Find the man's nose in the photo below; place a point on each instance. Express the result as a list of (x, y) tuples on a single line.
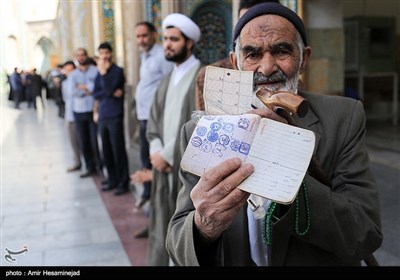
[(268, 64), (166, 43)]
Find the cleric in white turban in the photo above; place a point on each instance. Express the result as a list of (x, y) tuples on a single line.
[(187, 26)]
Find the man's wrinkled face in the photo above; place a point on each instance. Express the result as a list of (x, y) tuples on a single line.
[(176, 48), (269, 47), (145, 37)]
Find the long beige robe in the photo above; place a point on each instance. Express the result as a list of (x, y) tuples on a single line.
[(163, 196)]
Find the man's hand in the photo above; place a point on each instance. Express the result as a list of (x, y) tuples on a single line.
[(217, 199), (159, 163), (103, 65), (118, 93), (95, 117), (83, 88)]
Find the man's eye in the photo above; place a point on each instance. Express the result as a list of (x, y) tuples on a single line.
[(281, 52), (252, 56)]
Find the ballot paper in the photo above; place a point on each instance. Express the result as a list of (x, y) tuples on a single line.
[(228, 91), (280, 153)]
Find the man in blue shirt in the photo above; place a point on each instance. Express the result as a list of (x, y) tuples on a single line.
[(108, 89), (153, 68), (82, 84)]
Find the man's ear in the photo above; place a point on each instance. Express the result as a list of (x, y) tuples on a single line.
[(306, 57), (233, 59), (190, 44)]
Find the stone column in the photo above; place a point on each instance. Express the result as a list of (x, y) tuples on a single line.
[(81, 21), (235, 9), (168, 7), (119, 53), (132, 12)]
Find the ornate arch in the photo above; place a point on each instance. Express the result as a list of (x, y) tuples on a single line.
[(215, 21), (47, 48)]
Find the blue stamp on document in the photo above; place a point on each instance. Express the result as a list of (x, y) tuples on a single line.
[(212, 136), (235, 144), (206, 147), (228, 127), (224, 139), (215, 126), (244, 123), (209, 117), (201, 130), (244, 148), (196, 141), (219, 150), (221, 120)]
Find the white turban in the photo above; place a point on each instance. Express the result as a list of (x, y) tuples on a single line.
[(184, 24)]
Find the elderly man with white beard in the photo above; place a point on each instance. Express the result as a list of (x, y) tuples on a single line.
[(331, 222)]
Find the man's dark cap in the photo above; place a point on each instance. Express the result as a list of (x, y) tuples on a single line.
[(270, 8)]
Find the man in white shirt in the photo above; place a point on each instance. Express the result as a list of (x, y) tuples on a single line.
[(66, 90), (172, 107)]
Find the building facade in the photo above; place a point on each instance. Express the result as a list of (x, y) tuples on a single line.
[(83, 23)]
